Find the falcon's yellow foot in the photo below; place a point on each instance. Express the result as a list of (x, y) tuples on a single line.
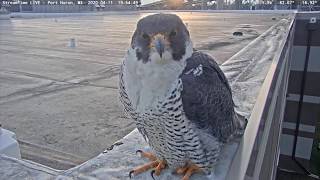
[(143, 168), (155, 163), (188, 171), (181, 170), (162, 164)]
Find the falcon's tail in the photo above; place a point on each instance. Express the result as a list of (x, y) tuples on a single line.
[(240, 123)]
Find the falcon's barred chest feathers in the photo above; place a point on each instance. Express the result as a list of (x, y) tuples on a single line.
[(179, 98)]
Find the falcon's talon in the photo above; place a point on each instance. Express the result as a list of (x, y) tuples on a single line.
[(152, 173), (130, 173), (156, 165), (148, 155), (139, 151), (143, 168)]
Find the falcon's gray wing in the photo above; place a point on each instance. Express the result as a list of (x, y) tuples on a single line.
[(207, 97)]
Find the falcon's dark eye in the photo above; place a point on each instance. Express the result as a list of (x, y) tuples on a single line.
[(145, 36), (173, 33)]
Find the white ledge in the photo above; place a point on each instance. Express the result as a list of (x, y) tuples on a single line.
[(246, 72)]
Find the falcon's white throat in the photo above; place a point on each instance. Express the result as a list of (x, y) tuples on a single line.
[(147, 83)]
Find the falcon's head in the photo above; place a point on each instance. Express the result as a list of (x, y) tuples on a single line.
[(161, 38)]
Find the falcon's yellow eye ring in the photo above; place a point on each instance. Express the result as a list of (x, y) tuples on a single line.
[(145, 36)]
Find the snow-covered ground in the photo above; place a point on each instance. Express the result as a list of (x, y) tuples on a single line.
[(66, 98)]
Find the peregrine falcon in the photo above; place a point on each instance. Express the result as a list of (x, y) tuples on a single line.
[(178, 97)]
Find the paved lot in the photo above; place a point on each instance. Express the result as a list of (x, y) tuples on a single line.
[(66, 98)]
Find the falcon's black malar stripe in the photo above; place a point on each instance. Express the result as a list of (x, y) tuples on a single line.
[(150, 26)]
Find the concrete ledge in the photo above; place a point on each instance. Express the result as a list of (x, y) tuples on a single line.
[(8, 144), (117, 162), (246, 72), (15, 169)]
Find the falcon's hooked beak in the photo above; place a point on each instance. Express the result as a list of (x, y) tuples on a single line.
[(159, 43)]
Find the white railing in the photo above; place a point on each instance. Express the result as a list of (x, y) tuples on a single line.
[(258, 152)]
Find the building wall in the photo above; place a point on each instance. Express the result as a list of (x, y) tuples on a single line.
[(310, 111)]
